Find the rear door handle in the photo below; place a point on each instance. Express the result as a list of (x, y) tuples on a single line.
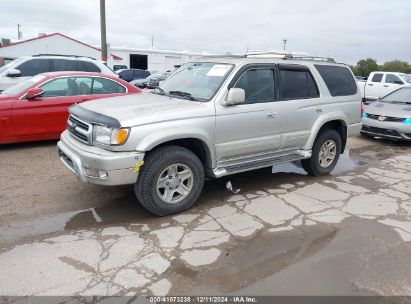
[(370, 84), (320, 110), (386, 86), (272, 115)]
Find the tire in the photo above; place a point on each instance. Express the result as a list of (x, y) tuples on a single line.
[(313, 166), (167, 168)]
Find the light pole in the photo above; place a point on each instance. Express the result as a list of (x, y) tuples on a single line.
[(285, 43), (103, 30)]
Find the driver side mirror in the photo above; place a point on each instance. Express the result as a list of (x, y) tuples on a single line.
[(34, 92), (13, 73), (236, 96), (398, 82), (140, 85)]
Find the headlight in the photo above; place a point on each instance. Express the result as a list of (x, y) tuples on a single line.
[(109, 136)]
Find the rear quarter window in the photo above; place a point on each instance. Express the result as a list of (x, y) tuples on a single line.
[(85, 66), (338, 79)]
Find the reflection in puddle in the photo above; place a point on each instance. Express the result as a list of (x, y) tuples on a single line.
[(252, 260), (119, 213), (345, 163)]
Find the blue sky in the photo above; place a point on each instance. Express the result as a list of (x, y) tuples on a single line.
[(348, 30)]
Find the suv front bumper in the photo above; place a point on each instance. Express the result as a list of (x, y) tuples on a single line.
[(96, 165)]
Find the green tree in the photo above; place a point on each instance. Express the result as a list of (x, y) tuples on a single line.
[(365, 66), (396, 66)]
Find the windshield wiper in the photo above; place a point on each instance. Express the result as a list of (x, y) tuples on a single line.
[(395, 101), (183, 94)]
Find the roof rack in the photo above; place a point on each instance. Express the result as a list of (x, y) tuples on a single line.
[(312, 58), (61, 55), (277, 54), (285, 55), (223, 56)]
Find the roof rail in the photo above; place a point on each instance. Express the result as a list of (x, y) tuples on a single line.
[(62, 55), (223, 56), (278, 54), (312, 58)]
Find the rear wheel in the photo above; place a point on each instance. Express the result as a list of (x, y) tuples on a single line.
[(170, 181), (325, 153)]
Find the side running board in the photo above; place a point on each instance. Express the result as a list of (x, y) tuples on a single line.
[(260, 163)]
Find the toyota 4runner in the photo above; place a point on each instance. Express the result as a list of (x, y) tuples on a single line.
[(212, 118)]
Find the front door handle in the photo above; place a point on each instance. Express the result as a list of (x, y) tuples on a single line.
[(386, 86), (272, 115), (370, 84)]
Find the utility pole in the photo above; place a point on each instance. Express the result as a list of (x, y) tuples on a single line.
[(19, 34), (152, 42), (103, 30), (285, 43)]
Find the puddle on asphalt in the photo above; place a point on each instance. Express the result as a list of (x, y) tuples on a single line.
[(345, 163), (119, 213), (252, 260), (330, 256)]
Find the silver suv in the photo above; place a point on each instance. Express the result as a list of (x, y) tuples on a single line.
[(214, 117)]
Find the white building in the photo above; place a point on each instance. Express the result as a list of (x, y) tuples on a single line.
[(57, 43)]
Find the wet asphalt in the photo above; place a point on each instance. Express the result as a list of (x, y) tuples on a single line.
[(279, 232)]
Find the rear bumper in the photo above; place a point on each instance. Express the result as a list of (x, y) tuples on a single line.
[(386, 129), (96, 165), (354, 129)]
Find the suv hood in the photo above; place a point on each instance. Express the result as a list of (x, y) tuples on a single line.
[(136, 109), (400, 110)]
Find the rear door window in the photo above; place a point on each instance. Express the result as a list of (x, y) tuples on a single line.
[(85, 66), (339, 80), (107, 86), (297, 84), (33, 67), (63, 65), (377, 77), (391, 78)]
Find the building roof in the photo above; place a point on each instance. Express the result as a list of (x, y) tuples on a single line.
[(61, 35)]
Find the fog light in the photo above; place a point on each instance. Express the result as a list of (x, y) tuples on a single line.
[(91, 172)]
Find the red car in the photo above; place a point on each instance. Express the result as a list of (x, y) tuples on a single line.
[(36, 109)]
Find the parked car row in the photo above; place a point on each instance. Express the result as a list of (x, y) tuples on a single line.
[(196, 122), (29, 66)]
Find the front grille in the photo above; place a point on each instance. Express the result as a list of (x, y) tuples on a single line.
[(80, 129), (385, 118), (380, 131)]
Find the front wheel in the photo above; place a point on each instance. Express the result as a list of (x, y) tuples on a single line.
[(325, 154), (170, 181)]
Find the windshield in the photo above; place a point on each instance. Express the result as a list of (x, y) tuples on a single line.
[(22, 86), (402, 95), (196, 81), (407, 77)]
